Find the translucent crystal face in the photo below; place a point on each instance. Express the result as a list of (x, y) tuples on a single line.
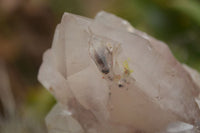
[(102, 54), (111, 78), (105, 55)]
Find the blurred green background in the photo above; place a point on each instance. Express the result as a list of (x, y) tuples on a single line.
[(26, 31)]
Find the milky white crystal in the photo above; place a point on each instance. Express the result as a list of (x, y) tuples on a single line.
[(109, 77)]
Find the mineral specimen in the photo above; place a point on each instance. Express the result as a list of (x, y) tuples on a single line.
[(109, 77)]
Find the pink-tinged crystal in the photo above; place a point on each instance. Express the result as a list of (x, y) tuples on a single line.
[(109, 77)]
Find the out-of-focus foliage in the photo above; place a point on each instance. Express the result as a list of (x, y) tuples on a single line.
[(26, 31)]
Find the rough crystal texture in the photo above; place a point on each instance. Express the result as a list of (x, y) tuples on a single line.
[(109, 77)]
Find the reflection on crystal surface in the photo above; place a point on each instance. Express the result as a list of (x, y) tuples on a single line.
[(108, 77)]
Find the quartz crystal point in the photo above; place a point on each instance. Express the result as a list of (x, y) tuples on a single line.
[(109, 77)]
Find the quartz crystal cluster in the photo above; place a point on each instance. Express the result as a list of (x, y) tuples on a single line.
[(108, 77)]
